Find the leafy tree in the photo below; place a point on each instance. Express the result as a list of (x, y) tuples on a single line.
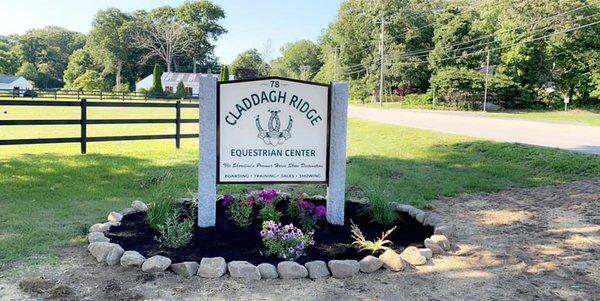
[(250, 59), (90, 80), (79, 62), (156, 80), (224, 76), (47, 50), (301, 60), (8, 60)]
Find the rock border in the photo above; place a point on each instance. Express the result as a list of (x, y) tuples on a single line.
[(112, 254)]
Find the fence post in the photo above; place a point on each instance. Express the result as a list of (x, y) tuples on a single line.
[(178, 124), (55, 94), (83, 126), (77, 94), (123, 96), (100, 95)]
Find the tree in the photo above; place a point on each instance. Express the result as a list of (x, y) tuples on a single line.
[(250, 59), (79, 62), (109, 41), (224, 76), (47, 50), (163, 40), (156, 80), (8, 60), (90, 80), (301, 60)]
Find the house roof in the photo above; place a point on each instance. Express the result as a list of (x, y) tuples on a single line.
[(176, 77), (7, 79)]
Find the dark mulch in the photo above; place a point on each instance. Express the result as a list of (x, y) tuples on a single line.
[(231, 242)]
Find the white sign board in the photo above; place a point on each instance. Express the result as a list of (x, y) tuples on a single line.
[(272, 130)]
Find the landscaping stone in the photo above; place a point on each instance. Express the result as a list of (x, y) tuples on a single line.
[(139, 206), (185, 269), (156, 264), (267, 271), (317, 269), (426, 252), (106, 252), (370, 264), (132, 259), (212, 267), (421, 216), (416, 212), (343, 268), (243, 269), (103, 227), (413, 256), (114, 217), (442, 230), (432, 219), (404, 208), (433, 246), (392, 261), (319, 198), (127, 211), (442, 241), (291, 270), (97, 237)]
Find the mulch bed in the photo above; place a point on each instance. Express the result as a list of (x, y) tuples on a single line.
[(231, 242)]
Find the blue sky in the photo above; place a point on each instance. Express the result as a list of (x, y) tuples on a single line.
[(250, 23)]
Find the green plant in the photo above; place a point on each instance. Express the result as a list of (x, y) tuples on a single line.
[(361, 242), (241, 212), (287, 242), (159, 211), (156, 80), (269, 213), (379, 205), (293, 210), (175, 233), (180, 92), (224, 76)]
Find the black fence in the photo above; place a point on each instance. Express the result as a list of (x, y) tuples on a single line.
[(84, 121), (59, 94)]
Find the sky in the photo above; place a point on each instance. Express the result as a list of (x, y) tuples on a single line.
[(250, 23)]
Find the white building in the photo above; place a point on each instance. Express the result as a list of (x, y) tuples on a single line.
[(18, 84), (170, 80)]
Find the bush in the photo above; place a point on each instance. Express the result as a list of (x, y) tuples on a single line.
[(175, 233), (418, 99), (180, 93), (157, 88), (241, 211)]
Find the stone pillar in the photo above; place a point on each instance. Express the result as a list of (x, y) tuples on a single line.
[(336, 190), (207, 167)]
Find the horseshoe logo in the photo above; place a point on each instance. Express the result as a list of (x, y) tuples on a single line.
[(274, 136)]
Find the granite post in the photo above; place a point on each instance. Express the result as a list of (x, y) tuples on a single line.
[(336, 189), (207, 167)]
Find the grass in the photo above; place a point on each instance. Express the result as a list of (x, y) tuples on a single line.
[(50, 194)]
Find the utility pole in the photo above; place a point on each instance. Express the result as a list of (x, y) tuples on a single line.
[(381, 60), (487, 71)]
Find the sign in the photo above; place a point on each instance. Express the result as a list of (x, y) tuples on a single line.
[(566, 100), (272, 130)]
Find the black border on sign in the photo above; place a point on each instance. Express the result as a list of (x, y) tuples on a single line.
[(219, 83)]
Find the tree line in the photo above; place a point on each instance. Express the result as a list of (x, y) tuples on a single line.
[(539, 52), (120, 49)]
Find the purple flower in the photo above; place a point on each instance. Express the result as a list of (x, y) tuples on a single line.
[(305, 204), (268, 195), (227, 200), (320, 211)]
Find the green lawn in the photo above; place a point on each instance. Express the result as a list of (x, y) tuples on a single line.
[(50, 194)]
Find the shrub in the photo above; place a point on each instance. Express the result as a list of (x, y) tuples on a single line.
[(269, 213), (287, 242), (361, 242), (159, 211), (418, 99), (379, 205), (157, 88), (180, 92), (241, 211), (175, 233)]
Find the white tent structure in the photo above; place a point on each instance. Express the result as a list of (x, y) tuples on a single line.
[(170, 80)]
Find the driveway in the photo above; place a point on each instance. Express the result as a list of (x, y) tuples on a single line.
[(573, 137)]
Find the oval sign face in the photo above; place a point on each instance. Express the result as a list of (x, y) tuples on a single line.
[(272, 130)]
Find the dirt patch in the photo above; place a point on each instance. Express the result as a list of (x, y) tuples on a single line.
[(232, 242), (547, 250)]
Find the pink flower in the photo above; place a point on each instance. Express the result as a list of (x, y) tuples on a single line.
[(320, 211), (250, 201)]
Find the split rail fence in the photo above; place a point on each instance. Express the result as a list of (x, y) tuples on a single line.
[(83, 121)]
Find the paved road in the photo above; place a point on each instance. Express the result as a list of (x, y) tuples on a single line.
[(573, 137)]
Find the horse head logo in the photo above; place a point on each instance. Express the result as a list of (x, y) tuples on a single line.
[(274, 136)]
